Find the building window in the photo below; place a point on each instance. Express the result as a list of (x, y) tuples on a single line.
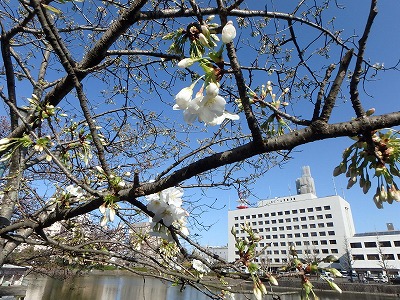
[(313, 233), (304, 226), (321, 225), (287, 220), (261, 229), (281, 236), (324, 242), (274, 236), (260, 215), (313, 226), (316, 251), (283, 244), (247, 217), (388, 256), (294, 211), (260, 222), (273, 221), (295, 219), (332, 242), (275, 244), (236, 218), (274, 229), (325, 251), (298, 243), (276, 251), (262, 245), (297, 234), (266, 222), (302, 210), (289, 235), (276, 260), (266, 215), (328, 216), (331, 232), (253, 216), (281, 228), (306, 243), (303, 218), (319, 217), (372, 257), (268, 237), (280, 213), (288, 227), (284, 260), (335, 251), (355, 245), (241, 217), (322, 233), (327, 207), (254, 223), (280, 220), (283, 251), (305, 234), (311, 217), (318, 208), (296, 227), (329, 224), (385, 244), (315, 242), (397, 243), (310, 209), (273, 214), (358, 257), (370, 244), (287, 212)]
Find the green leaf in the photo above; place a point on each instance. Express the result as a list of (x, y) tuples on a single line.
[(52, 8)]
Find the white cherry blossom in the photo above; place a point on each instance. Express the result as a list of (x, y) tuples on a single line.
[(228, 32)]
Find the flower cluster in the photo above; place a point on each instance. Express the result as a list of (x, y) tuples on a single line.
[(200, 267), (380, 154), (274, 124), (166, 206), (208, 108)]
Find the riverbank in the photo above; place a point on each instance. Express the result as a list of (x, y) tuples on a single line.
[(390, 290)]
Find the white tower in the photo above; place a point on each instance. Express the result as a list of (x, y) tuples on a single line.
[(305, 184)]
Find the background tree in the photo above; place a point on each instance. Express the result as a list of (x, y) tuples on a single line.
[(90, 89)]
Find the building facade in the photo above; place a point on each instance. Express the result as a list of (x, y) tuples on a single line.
[(317, 227), (376, 252)]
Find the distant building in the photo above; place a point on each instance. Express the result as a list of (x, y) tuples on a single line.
[(221, 251), (317, 227), (376, 252)]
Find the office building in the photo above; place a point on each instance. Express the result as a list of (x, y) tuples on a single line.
[(317, 227)]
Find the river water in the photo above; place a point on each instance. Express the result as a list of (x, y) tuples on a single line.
[(102, 287)]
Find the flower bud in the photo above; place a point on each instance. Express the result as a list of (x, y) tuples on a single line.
[(203, 40), (186, 62), (228, 32)]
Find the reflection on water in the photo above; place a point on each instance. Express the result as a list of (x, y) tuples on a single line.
[(98, 287)]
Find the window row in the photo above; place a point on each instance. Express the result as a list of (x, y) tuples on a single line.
[(298, 243), (375, 257), (291, 235), (374, 244), (287, 220)]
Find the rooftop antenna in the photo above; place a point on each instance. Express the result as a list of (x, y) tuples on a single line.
[(334, 185)]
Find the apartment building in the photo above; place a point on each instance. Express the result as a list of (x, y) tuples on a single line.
[(317, 227)]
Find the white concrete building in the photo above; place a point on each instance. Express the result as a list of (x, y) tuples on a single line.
[(376, 252), (317, 227)]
